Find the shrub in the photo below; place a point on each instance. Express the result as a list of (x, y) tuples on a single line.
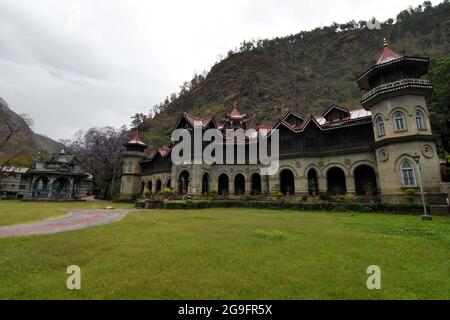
[(410, 195), (213, 194), (279, 195), (246, 197), (167, 192), (369, 188), (312, 186), (324, 196), (147, 193), (349, 197), (301, 206)]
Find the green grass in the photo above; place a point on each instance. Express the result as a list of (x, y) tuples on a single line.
[(235, 254), (15, 211)]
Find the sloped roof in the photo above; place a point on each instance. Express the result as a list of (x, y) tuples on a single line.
[(205, 121), (356, 115), (235, 114), (388, 54), (136, 139), (15, 169)]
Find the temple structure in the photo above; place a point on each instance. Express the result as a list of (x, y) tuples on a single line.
[(374, 149)]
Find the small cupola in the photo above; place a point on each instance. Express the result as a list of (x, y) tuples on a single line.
[(135, 144), (394, 74)]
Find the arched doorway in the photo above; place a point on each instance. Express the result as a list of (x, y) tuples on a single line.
[(40, 186), (223, 184), (183, 182), (287, 182), (60, 187), (239, 184), (256, 184), (365, 180), (142, 188), (205, 183), (336, 181), (158, 186), (313, 182), (169, 183), (149, 185)]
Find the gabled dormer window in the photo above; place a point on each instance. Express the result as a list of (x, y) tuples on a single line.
[(335, 114)]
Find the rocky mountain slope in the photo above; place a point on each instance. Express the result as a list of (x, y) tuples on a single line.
[(304, 72), (25, 142)]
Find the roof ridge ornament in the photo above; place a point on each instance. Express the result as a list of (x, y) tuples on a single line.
[(385, 43)]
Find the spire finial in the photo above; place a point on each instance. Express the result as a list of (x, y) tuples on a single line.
[(385, 42)]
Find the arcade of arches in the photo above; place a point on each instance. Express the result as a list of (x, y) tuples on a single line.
[(334, 180)]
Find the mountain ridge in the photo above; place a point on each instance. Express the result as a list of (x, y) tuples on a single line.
[(34, 142), (305, 72)]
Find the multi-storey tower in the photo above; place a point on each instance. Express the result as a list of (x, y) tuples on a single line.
[(396, 97), (134, 153)]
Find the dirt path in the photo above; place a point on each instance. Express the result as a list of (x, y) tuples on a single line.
[(76, 219)]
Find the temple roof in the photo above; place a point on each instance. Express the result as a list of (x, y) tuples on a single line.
[(388, 59), (136, 139), (388, 54), (235, 114)]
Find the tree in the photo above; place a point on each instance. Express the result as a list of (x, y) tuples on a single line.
[(16, 147), (439, 103), (138, 119), (100, 150)]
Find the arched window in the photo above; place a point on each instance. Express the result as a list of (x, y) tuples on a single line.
[(399, 121), (420, 122), (380, 126), (408, 173)]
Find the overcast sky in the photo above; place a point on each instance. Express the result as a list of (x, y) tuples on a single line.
[(72, 65)]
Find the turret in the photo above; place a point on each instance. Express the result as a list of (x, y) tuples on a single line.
[(134, 153), (396, 96)]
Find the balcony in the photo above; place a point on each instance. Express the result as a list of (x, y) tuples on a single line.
[(411, 85)]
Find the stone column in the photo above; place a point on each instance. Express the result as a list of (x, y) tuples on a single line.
[(264, 184), (50, 187), (71, 185), (273, 180), (231, 186), (350, 184), (303, 185), (322, 184), (33, 180), (248, 185)]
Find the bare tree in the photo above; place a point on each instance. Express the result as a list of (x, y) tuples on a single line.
[(100, 150)]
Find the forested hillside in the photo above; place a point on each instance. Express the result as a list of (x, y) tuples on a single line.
[(304, 72)]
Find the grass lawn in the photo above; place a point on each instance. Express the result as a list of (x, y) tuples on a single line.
[(232, 254), (15, 211)]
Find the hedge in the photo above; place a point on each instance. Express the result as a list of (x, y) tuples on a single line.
[(301, 206)]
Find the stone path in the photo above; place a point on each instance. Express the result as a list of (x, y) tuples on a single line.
[(77, 219)]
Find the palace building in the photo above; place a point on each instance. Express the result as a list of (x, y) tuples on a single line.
[(382, 147), (61, 177)]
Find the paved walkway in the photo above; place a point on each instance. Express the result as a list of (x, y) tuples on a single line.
[(78, 219)]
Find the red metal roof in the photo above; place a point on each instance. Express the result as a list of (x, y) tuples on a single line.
[(235, 114), (193, 119), (387, 55), (136, 139)]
